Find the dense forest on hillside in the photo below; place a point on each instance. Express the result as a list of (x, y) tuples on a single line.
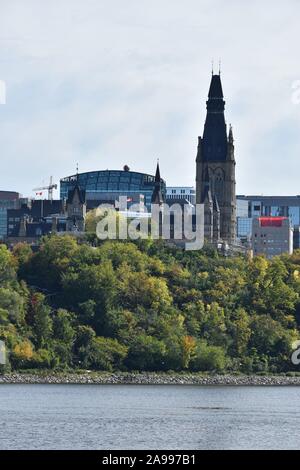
[(146, 306)]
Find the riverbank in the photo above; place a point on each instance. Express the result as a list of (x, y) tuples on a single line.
[(147, 379)]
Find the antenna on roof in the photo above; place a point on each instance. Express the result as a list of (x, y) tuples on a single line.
[(220, 67), (212, 67)]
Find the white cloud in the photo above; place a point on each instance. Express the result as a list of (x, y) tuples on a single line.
[(108, 82)]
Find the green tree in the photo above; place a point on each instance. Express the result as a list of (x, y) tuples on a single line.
[(83, 345), (240, 331), (62, 326), (42, 321), (7, 266), (107, 354), (208, 358), (12, 306), (269, 337), (141, 289), (146, 353)]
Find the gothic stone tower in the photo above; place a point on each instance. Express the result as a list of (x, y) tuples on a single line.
[(215, 165)]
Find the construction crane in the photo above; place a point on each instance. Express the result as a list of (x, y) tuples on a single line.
[(49, 188)]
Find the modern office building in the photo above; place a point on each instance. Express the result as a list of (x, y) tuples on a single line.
[(243, 221), (272, 236), (250, 207), (273, 206), (242, 209), (106, 185), (8, 200), (187, 193)]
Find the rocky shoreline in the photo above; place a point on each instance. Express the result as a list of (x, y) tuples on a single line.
[(147, 379)]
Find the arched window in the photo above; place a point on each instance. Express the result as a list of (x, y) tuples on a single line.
[(219, 184)]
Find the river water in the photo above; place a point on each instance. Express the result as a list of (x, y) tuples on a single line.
[(148, 417)]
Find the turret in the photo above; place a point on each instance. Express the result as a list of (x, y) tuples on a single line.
[(157, 195), (230, 145), (76, 210)]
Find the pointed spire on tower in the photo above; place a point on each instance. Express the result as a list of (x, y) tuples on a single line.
[(77, 170), (214, 142), (157, 195), (157, 174), (215, 89)]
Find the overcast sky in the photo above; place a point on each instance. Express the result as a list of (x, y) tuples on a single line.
[(111, 82)]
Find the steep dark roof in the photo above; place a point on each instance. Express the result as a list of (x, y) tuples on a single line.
[(157, 195), (214, 142), (76, 190), (157, 174), (215, 89)]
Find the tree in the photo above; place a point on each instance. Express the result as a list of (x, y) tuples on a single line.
[(240, 331), (83, 345), (91, 291), (7, 266), (141, 289), (12, 306), (62, 326), (22, 253), (213, 327), (145, 353), (208, 358), (107, 354), (42, 359), (22, 354), (42, 321), (269, 337), (46, 267), (189, 347)]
